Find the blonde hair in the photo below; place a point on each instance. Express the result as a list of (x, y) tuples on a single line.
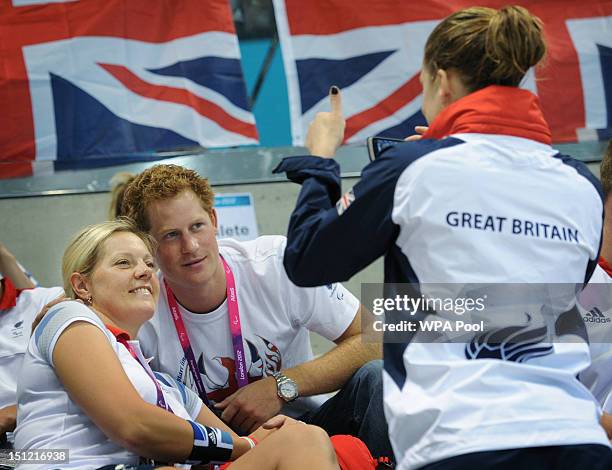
[(163, 182), (487, 46), (85, 248), (118, 182)]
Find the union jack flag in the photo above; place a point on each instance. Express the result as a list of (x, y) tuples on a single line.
[(81, 80), (373, 50)]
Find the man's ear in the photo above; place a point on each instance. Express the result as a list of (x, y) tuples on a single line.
[(213, 218), (80, 286)]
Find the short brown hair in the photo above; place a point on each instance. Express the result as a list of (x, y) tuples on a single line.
[(605, 171), (163, 182), (487, 46)]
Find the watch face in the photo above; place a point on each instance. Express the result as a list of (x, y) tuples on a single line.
[(288, 390)]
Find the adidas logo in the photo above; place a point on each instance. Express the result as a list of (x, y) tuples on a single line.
[(595, 316)]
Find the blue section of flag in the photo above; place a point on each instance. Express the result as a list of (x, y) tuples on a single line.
[(217, 73), (317, 75), (95, 131), (605, 58), (230, 201), (405, 128)]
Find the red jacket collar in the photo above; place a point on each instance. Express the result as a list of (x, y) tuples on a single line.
[(603, 264), (493, 110), (120, 335), (9, 294)]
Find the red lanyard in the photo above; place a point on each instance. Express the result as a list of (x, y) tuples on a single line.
[(235, 330), (161, 401)]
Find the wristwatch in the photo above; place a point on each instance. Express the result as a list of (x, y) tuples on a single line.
[(286, 388)]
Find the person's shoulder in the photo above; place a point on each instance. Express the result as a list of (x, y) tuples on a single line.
[(581, 172), (417, 156), (31, 301), (39, 295), (69, 309), (257, 250), (405, 153), (58, 318)]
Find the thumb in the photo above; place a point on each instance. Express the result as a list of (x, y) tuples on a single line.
[(222, 404), (274, 423), (335, 100)]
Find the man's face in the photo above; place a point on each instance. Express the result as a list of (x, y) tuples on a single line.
[(187, 253)]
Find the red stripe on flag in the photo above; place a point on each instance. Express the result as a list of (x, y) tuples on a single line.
[(202, 106), (394, 102), (13, 169), (143, 20), (559, 82), (305, 17), (17, 146), (335, 16)]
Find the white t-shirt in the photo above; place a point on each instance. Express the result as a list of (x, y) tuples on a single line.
[(276, 317), (596, 311), (47, 418), (22, 306)]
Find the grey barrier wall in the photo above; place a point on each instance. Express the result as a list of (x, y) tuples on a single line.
[(37, 229), (38, 215)]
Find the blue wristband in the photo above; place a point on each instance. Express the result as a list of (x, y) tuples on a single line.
[(210, 445)]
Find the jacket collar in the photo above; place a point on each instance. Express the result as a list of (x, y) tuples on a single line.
[(493, 110), (603, 264), (119, 334)]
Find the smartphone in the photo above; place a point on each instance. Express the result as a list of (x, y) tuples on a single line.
[(377, 144)]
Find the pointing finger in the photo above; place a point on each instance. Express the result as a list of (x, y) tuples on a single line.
[(335, 100)]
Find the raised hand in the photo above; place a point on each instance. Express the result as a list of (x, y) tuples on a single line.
[(326, 131)]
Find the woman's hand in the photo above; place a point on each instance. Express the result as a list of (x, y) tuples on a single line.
[(241, 447), (326, 131), (40, 315), (420, 130), (273, 424), (279, 421)]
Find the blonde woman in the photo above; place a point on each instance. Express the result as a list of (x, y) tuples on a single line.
[(85, 385)]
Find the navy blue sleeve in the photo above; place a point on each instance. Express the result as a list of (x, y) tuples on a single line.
[(584, 171), (330, 238)]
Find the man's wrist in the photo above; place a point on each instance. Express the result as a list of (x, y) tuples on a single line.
[(274, 389), (286, 387)]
